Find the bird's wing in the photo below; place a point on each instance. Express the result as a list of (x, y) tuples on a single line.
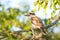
[(36, 21)]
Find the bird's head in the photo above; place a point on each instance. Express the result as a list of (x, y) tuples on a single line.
[(30, 14)]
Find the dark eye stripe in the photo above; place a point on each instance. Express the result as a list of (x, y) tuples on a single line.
[(32, 13)]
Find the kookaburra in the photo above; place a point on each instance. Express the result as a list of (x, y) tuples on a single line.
[(36, 22)]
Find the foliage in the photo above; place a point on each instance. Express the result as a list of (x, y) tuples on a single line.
[(9, 19)]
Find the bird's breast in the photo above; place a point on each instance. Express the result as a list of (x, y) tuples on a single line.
[(33, 26), (34, 22)]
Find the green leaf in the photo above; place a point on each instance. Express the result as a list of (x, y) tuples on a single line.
[(9, 26), (59, 2), (38, 6), (35, 3), (52, 15), (27, 27)]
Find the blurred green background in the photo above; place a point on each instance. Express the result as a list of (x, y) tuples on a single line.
[(15, 26)]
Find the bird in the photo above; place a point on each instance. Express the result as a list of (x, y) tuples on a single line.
[(36, 22)]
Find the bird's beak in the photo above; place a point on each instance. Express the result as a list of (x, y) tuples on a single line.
[(27, 15)]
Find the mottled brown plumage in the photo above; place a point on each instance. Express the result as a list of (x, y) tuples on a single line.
[(36, 22)]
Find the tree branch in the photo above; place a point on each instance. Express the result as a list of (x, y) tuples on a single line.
[(52, 24), (14, 34), (2, 35)]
